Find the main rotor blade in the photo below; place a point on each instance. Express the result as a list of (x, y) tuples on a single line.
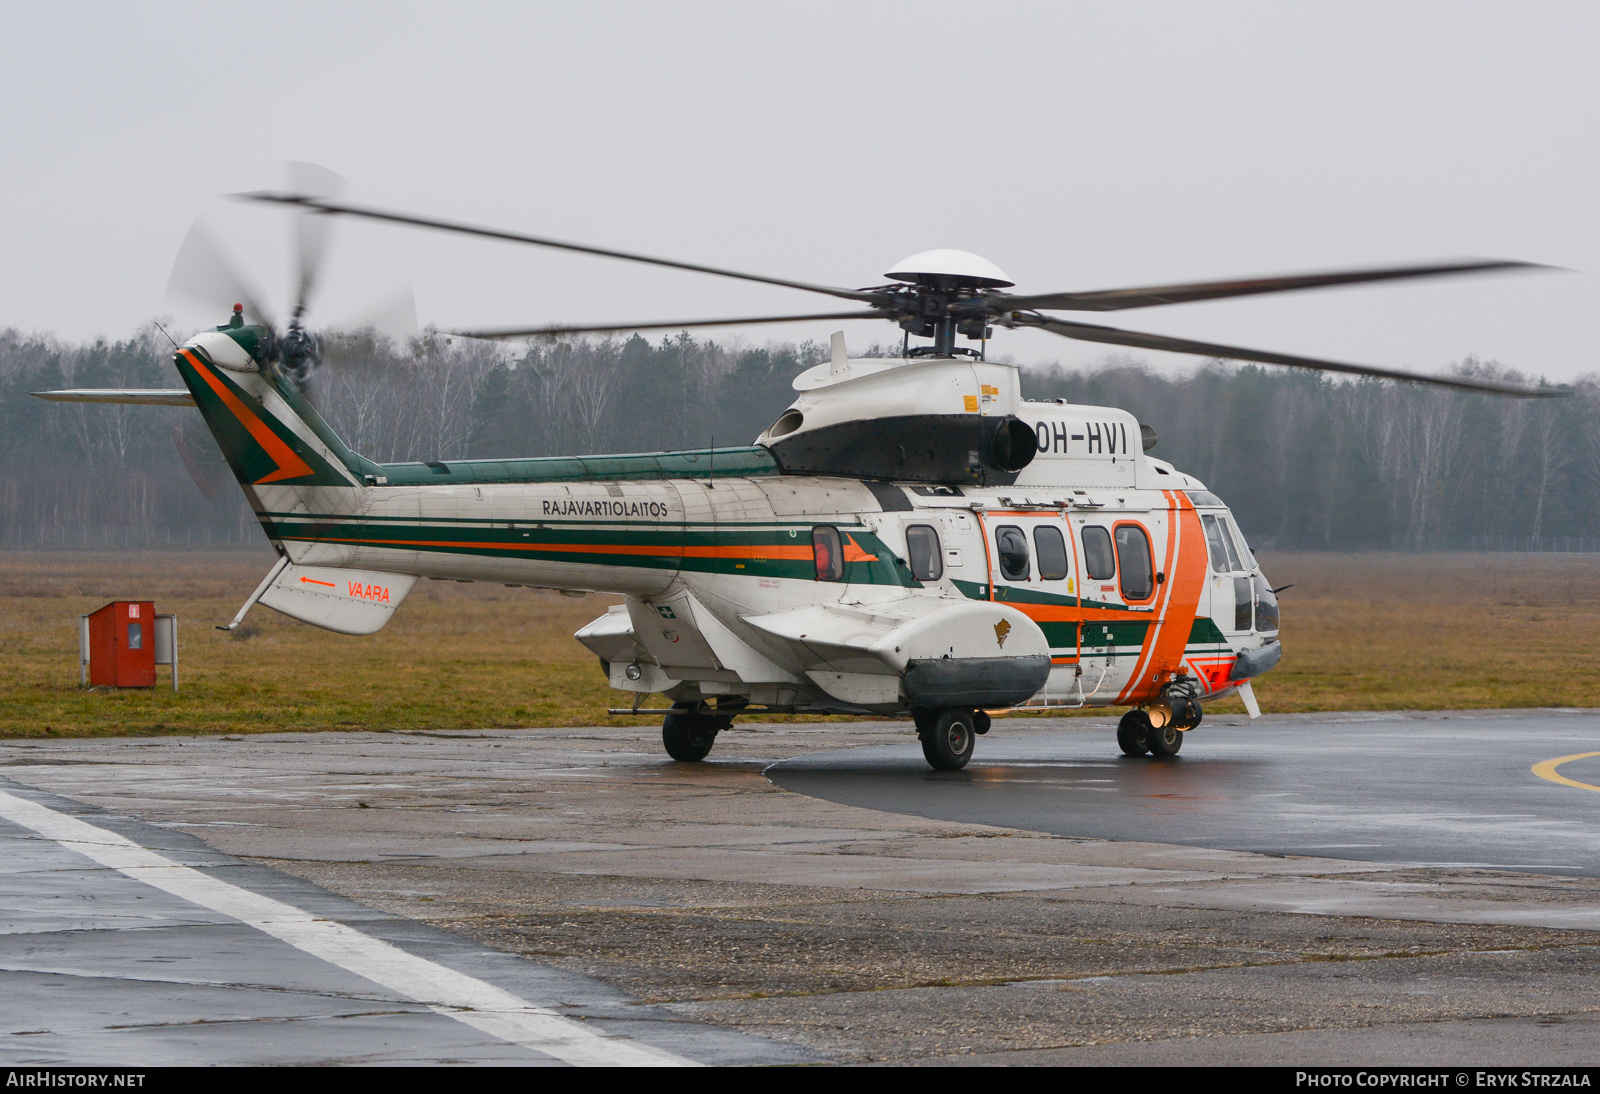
[(311, 230), (202, 273), (617, 328), (1117, 299), (394, 317), (308, 201), (1089, 332)]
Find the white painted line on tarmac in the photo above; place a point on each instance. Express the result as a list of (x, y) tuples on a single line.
[(467, 999)]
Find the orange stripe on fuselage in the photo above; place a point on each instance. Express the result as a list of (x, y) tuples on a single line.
[(1186, 577), (1068, 613), (1152, 637), (290, 465)]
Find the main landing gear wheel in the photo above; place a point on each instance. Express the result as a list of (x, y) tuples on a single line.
[(1165, 741), (689, 733), (947, 738), (1134, 732)]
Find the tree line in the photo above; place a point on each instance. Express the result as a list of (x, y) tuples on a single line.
[(1305, 460)]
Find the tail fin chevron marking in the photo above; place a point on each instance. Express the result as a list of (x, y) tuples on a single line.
[(290, 465)]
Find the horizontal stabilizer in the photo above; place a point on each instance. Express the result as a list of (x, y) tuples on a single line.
[(346, 601), (135, 396)]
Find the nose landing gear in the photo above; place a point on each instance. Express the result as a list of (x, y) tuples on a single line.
[(1133, 733), (1136, 736)]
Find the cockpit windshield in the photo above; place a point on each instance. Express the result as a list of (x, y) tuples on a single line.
[(1224, 555), (1229, 551), (1246, 555), (1266, 606)]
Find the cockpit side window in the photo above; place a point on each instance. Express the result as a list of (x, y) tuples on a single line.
[(1243, 603), (1098, 561)]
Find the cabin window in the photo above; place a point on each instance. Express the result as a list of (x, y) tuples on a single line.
[(1133, 558), (1098, 561), (1012, 546), (827, 552), (922, 544), (1051, 548), (135, 636)]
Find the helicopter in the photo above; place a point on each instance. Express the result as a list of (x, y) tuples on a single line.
[(910, 537)]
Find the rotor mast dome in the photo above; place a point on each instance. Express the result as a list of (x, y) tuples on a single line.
[(949, 268)]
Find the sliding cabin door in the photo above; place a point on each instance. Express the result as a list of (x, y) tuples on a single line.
[(1033, 567)]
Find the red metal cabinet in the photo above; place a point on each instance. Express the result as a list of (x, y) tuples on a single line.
[(122, 645)]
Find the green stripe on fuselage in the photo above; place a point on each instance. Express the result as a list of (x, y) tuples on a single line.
[(1010, 594), (1099, 635), (735, 552)]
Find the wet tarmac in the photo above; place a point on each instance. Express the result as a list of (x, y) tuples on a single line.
[(125, 944), (1448, 792), (1305, 889)]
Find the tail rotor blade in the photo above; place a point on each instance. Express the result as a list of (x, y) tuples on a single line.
[(311, 229), (202, 273)]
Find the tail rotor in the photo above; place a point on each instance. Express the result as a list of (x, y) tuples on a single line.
[(202, 272)]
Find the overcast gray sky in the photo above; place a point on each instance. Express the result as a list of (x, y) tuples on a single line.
[(1075, 145)]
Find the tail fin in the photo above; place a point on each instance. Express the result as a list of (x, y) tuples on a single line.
[(268, 432)]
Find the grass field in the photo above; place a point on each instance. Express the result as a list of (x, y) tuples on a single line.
[(1360, 632)]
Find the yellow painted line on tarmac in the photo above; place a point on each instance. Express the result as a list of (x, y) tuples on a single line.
[(1547, 770)]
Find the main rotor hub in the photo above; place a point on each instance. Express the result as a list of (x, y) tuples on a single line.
[(948, 295), (950, 269)]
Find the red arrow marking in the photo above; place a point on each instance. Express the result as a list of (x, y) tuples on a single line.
[(314, 581)]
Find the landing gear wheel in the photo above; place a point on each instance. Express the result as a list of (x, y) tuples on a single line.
[(947, 744), (981, 722), (1165, 741), (1134, 732), (687, 733)]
